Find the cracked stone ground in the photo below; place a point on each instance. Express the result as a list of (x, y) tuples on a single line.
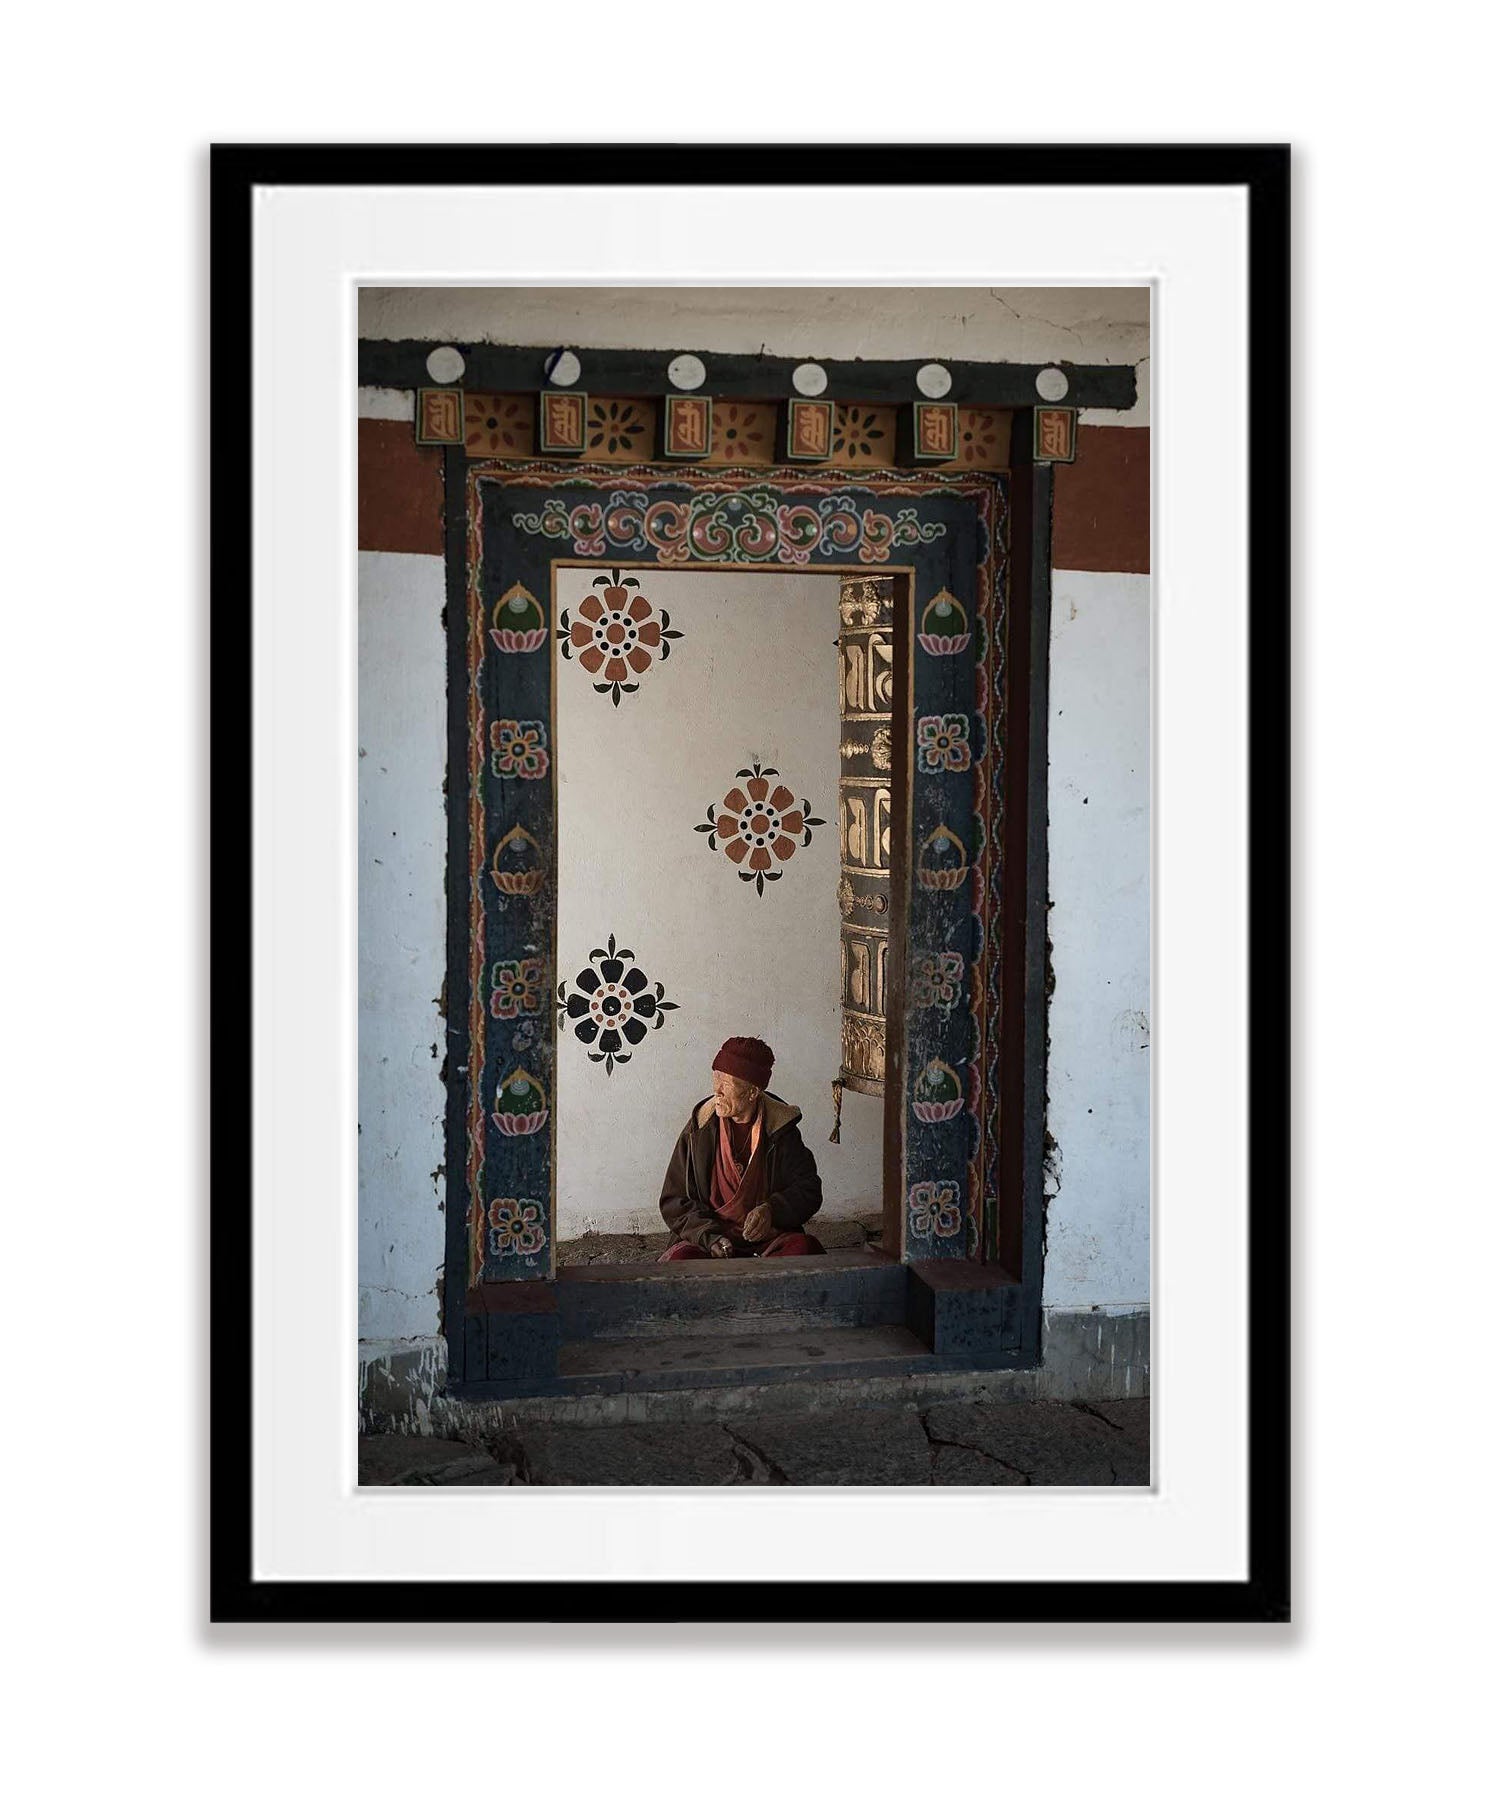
[(973, 1443)]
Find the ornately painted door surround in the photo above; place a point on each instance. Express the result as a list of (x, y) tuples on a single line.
[(950, 536)]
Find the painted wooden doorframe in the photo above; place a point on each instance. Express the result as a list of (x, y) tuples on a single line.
[(523, 521)]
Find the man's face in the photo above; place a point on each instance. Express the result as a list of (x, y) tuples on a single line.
[(734, 1099)]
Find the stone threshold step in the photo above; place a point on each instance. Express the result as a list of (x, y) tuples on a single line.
[(848, 1363), (732, 1393), (735, 1297), (740, 1356)]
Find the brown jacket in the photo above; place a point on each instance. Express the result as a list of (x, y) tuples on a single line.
[(793, 1189)]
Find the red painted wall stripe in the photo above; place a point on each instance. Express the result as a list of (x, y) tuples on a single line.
[(1101, 508), (400, 489), (1101, 516)]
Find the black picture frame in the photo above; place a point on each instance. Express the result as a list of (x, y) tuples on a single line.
[(1263, 172)]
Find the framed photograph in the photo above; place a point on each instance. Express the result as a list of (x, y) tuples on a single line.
[(750, 830)]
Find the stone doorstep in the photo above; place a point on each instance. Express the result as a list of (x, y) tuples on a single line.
[(710, 1300), (931, 1386), (801, 1321), (659, 1360), (623, 1328), (808, 1357), (828, 1391), (1089, 1356)]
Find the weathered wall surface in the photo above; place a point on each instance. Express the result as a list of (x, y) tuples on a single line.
[(1099, 777), (752, 679), (402, 708), (1099, 871)]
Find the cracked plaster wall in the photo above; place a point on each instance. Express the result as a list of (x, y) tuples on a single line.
[(1099, 869), (401, 942)]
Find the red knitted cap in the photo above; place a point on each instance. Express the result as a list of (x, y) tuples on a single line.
[(747, 1059)]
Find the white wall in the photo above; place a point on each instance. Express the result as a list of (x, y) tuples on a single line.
[(754, 677), (401, 942), (1099, 849)]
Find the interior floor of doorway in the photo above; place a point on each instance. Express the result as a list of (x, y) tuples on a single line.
[(646, 1246)]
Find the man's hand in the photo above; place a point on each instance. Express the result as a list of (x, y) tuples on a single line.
[(758, 1224), (721, 1246)]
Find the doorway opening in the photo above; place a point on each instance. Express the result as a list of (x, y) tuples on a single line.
[(725, 820), (672, 826)]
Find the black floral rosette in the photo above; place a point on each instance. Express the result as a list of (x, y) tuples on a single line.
[(611, 1005)]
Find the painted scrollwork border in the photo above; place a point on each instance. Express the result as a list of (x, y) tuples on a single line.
[(674, 517)]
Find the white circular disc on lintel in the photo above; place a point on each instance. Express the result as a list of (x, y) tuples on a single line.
[(933, 380), (563, 368), (687, 371), (809, 378), (1052, 384), (445, 364)]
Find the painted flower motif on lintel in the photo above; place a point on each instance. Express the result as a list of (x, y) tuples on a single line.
[(518, 749), (943, 744), (857, 432), (933, 1209), (759, 825), (611, 1005), (616, 635), (620, 428), (944, 628), (516, 1228), (520, 1105), (742, 432), (978, 436), (938, 1094), (518, 623), (499, 424)]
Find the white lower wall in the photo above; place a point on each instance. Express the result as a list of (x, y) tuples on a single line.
[(402, 705), (1099, 1019)]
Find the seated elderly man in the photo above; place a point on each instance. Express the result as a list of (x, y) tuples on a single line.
[(741, 1181)]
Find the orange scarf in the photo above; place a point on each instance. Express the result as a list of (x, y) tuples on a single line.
[(738, 1190)]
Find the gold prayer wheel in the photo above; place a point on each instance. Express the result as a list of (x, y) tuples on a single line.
[(864, 819)]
